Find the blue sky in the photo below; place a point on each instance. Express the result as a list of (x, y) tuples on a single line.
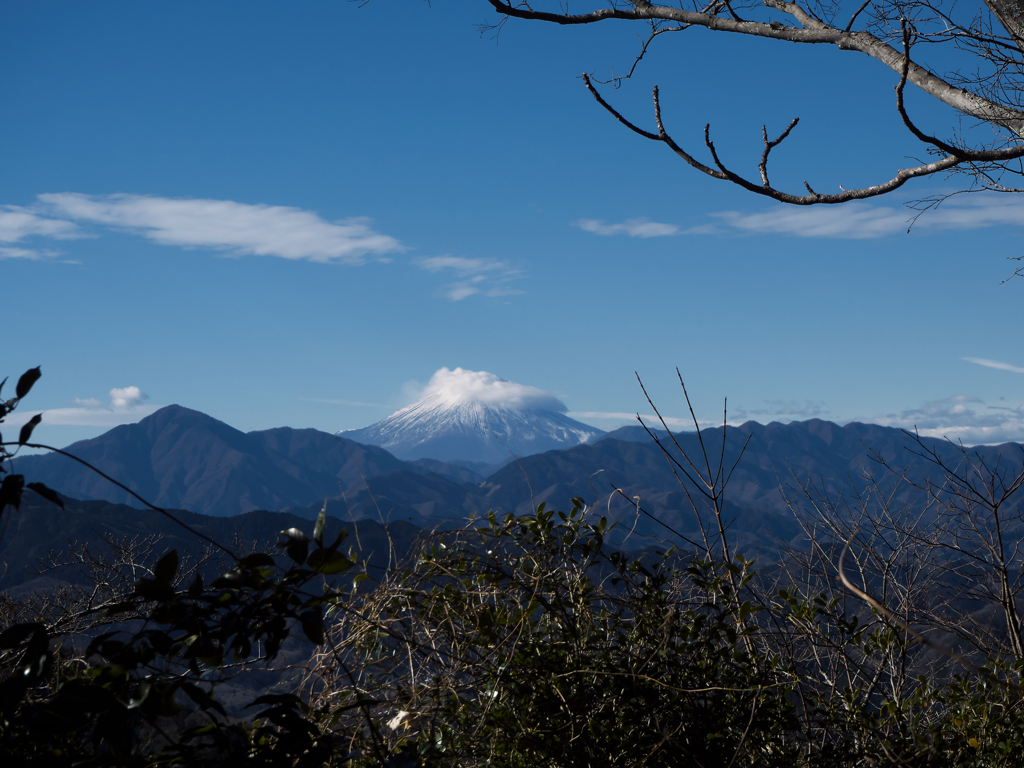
[(294, 214)]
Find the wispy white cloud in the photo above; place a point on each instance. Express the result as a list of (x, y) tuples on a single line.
[(29, 254), (486, 276), (461, 290), (993, 364), (863, 220), (18, 223), (461, 265), (237, 229), (632, 227), (852, 220), (857, 220), (126, 407), (961, 418)]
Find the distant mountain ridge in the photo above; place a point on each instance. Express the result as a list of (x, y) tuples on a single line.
[(180, 458)]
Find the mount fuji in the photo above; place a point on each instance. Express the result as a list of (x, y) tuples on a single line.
[(474, 416)]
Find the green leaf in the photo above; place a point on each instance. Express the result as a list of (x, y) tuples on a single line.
[(201, 697), (258, 560), (297, 551), (28, 378), (10, 491), (329, 563), (342, 535), (294, 534), (166, 567), (237, 578), (47, 493), (26, 431), (318, 529), (230, 580), (12, 637), (151, 589), (313, 625), (296, 544), (141, 693)]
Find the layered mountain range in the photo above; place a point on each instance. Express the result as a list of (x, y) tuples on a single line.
[(180, 458)]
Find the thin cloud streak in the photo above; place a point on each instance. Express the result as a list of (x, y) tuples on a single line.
[(461, 265), (126, 407), (17, 223), (857, 220), (641, 227), (993, 364), (860, 220), (485, 276), (30, 254), (849, 222), (237, 229), (84, 417)]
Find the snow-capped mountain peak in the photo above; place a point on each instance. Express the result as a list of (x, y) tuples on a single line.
[(476, 416)]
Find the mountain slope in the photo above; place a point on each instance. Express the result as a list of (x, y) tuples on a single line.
[(185, 459), (778, 460), (41, 529)]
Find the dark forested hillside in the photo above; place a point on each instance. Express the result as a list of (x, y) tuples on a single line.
[(41, 532)]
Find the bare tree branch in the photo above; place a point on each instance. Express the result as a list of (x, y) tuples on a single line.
[(813, 198), (995, 96)]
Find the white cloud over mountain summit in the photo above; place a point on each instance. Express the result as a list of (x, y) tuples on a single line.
[(475, 416), (464, 386)]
